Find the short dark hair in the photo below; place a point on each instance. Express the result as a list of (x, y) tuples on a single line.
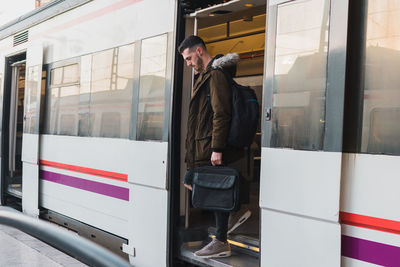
[(191, 42)]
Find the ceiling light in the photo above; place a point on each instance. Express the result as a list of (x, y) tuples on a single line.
[(248, 5)]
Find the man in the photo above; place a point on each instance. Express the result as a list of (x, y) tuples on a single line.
[(208, 128)]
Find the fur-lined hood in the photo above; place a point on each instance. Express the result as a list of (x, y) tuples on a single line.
[(220, 61), (227, 62)]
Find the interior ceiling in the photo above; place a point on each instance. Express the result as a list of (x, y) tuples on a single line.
[(189, 6), (217, 8)]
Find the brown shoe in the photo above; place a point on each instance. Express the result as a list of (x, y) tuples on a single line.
[(215, 249)]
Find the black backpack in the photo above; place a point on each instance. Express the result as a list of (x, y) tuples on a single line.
[(245, 114)]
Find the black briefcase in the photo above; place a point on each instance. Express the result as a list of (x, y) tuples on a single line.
[(216, 188)]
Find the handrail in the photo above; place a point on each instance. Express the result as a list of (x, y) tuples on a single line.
[(80, 248)]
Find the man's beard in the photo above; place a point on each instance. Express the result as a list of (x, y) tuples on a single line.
[(199, 64)]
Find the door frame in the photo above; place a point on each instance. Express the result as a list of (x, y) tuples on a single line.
[(5, 118)]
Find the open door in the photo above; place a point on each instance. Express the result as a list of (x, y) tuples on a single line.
[(30, 139), (302, 133)]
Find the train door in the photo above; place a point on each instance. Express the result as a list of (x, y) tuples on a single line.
[(30, 138), (20, 142), (302, 133), (232, 27), (12, 123), (22, 95), (14, 166)]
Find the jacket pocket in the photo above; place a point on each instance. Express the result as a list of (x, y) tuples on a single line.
[(203, 149)]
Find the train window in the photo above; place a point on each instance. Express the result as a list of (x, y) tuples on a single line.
[(56, 76), (102, 67), (84, 96), (67, 124), (111, 90), (300, 75), (33, 79), (68, 110), (152, 88), (51, 110), (110, 124), (62, 98), (71, 74), (381, 111), (83, 124)]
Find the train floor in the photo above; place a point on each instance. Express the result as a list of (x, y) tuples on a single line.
[(20, 249)]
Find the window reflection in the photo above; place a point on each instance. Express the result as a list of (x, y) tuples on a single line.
[(56, 76), (152, 88), (92, 98), (71, 74), (381, 112), (111, 92), (32, 96), (300, 75), (51, 110), (68, 110)]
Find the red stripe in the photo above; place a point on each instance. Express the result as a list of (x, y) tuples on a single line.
[(368, 222), (101, 173)]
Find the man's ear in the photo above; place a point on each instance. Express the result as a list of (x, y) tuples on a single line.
[(199, 50)]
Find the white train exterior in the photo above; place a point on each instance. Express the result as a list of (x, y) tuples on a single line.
[(101, 127)]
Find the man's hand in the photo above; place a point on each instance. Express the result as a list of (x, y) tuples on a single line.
[(188, 187), (216, 158)]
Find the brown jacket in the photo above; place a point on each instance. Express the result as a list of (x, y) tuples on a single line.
[(208, 128)]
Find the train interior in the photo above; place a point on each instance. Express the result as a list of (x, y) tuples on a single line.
[(13, 122), (232, 27)]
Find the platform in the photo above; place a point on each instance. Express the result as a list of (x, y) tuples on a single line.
[(20, 249)]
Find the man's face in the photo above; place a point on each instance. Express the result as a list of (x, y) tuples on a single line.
[(193, 59)]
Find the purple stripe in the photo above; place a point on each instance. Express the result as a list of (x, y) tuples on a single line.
[(92, 186), (369, 251)]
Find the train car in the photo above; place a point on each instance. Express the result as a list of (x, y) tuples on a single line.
[(95, 99), (86, 97)]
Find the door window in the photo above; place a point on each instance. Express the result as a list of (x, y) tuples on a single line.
[(300, 73), (381, 111)]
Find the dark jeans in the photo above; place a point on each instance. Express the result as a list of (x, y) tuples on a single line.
[(221, 218), (221, 221)]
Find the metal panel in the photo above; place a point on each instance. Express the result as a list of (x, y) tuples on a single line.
[(336, 76), (30, 148), (390, 239), (30, 189), (150, 211), (99, 19), (288, 240), (39, 15), (143, 162), (103, 212), (168, 83), (310, 186), (269, 62), (348, 262), (135, 93), (2, 81), (30, 141), (370, 185), (278, 2)]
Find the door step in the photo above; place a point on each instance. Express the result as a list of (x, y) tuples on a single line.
[(241, 242), (15, 190), (237, 259)]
